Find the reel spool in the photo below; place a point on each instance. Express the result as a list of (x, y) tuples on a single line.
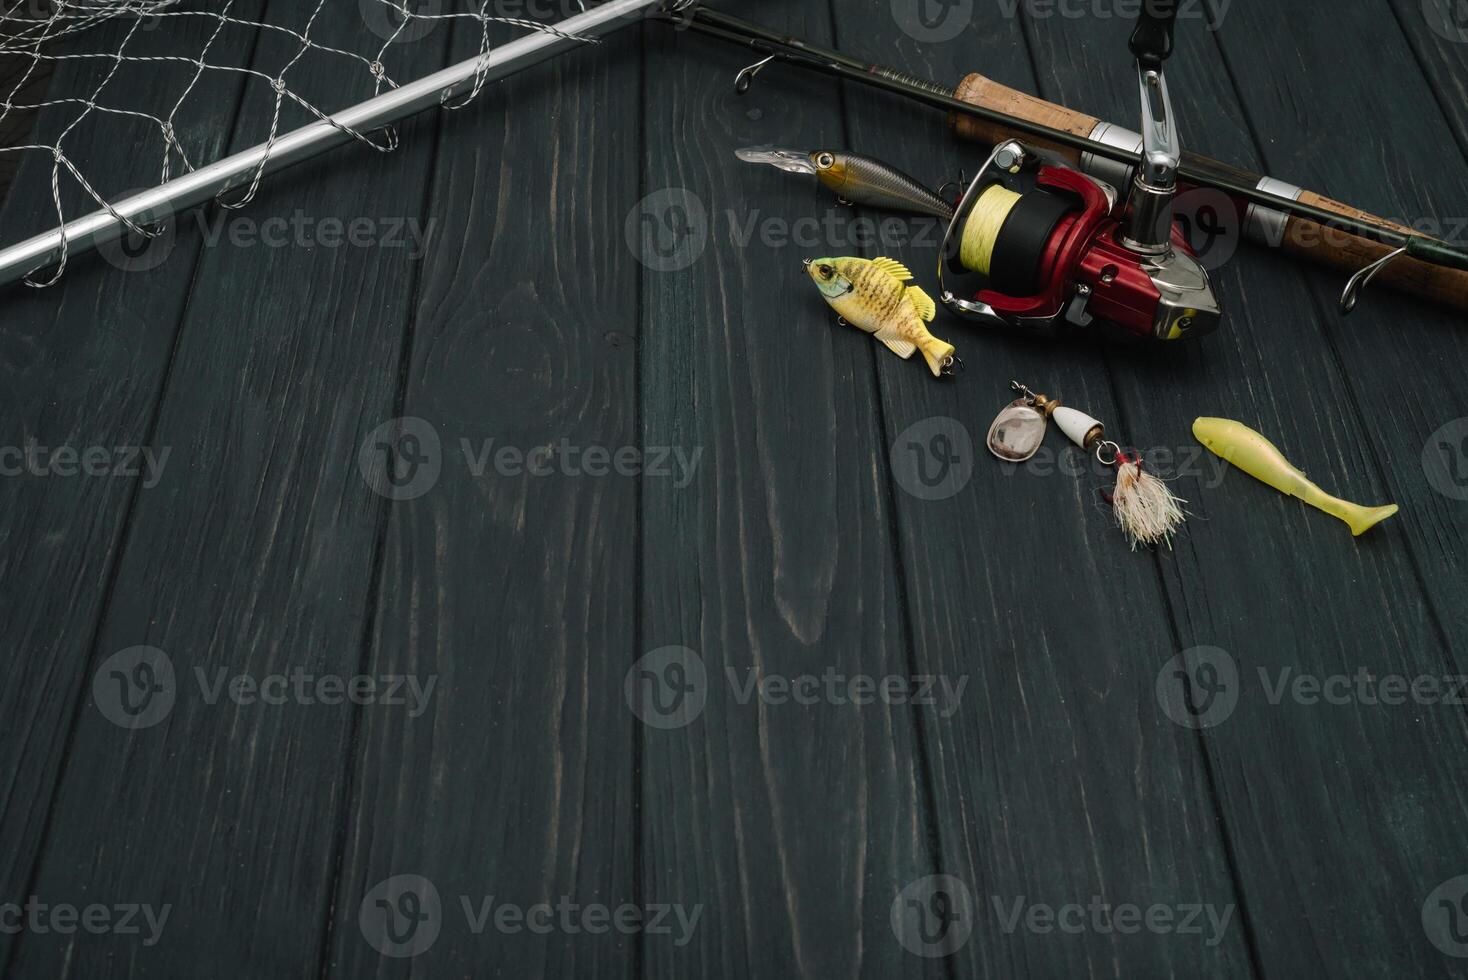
[(1059, 254)]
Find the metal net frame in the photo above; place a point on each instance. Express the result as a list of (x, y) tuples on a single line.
[(45, 34)]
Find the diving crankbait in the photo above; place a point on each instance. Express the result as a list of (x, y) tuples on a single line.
[(873, 294), (855, 179), (1246, 449), (1145, 509)]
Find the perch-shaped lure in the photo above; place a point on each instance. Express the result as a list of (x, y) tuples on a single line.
[(873, 294), (1257, 456)]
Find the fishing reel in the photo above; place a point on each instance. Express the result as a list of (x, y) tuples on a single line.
[(1067, 250)]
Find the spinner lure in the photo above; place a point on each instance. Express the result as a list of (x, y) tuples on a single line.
[(1145, 509)]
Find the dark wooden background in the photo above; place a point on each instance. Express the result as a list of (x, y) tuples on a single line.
[(530, 319)]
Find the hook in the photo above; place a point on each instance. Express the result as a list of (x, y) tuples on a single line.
[(745, 78), (1363, 278)]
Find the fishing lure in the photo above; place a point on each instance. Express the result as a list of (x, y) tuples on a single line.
[(855, 179), (873, 294), (1257, 456), (1145, 509)]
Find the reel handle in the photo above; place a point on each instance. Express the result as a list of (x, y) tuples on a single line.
[(1151, 41)]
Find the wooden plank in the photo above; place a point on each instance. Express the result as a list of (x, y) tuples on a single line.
[(515, 589), (1278, 586), (1062, 780), (251, 557), (795, 826), (82, 365)]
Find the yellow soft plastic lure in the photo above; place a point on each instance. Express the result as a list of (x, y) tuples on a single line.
[(1257, 456)]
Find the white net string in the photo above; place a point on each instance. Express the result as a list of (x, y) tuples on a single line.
[(46, 34)]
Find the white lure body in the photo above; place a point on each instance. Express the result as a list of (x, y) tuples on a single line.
[(1076, 425)]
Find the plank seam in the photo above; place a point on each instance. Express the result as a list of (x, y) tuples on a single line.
[(1326, 307), (925, 773), (1215, 801), (114, 568)]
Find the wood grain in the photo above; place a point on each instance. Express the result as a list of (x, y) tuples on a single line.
[(516, 589), (1264, 578), (81, 365), (250, 557), (1061, 780), (795, 825)]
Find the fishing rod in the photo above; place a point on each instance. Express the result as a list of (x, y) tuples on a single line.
[(1271, 211)]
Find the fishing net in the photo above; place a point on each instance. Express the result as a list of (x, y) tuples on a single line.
[(94, 43)]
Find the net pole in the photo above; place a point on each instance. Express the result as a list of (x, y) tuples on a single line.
[(161, 203)]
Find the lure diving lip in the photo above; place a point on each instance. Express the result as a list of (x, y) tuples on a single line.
[(855, 179), (1246, 449)]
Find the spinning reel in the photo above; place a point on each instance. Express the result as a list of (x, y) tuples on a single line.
[(1068, 251)]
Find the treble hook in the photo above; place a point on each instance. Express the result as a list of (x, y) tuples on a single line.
[(745, 78), (1363, 278)]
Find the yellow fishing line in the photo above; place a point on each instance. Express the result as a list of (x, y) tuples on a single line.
[(976, 250)]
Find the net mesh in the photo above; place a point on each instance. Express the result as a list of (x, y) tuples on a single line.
[(189, 38)]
